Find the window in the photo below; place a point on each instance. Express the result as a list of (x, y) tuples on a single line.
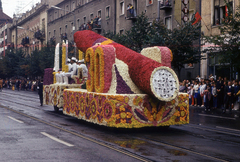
[(168, 22), (78, 24), (107, 12), (220, 11), (43, 25), (60, 30), (121, 32), (99, 13), (122, 8), (73, 6), (54, 33), (84, 20), (67, 9), (149, 2), (65, 28), (56, 15), (91, 16), (73, 27)]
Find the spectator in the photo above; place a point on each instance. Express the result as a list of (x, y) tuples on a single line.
[(220, 92), (202, 89), (214, 94), (40, 91), (195, 87), (190, 93), (236, 89), (228, 96), (207, 98)]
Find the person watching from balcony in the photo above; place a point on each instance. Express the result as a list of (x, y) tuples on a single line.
[(99, 21)]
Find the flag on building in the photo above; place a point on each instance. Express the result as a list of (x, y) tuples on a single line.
[(197, 18), (226, 11)]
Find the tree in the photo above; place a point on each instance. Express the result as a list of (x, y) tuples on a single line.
[(183, 41), (16, 64), (138, 35), (227, 45), (184, 44)]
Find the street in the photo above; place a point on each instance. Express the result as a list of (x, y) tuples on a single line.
[(30, 132)]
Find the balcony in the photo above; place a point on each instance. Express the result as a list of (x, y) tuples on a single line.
[(40, 35), (165, 4), (131, 14), (64, 36), (97, 27), (53, 40)]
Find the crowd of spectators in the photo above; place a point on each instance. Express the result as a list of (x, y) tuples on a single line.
[(20, 84), (94, 23), (212, 94), (209, 93)]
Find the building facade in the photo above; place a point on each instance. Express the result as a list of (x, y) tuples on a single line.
[(213, 13), (5, 38), (29, 29), (72, 15)]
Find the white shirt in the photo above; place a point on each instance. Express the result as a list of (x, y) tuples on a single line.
[(74, 69), (69, 67), (202, 88), (84, 70), (195, 87)]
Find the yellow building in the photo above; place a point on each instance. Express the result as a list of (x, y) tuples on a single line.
[(213, 13)]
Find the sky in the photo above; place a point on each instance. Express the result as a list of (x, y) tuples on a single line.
[(11, 6)]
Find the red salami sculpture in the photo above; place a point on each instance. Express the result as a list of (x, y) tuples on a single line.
[(149, 75)]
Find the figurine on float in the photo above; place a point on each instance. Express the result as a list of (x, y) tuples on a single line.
[(54, 79), (84, 68), (59, 76), (72, 72)]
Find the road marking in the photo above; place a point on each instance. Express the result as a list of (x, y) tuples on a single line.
[(217, 116), (144, 159), (15, 119), (228, 129), (57, 140)]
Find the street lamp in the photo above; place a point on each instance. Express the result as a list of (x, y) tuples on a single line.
[(74, 23), (19, 27)]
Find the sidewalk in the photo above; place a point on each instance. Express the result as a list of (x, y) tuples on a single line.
[(218, 112)]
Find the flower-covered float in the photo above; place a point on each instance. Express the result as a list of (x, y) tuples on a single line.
[(52, 91), (126, 89)]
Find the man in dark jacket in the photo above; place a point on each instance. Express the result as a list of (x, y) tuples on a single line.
[(220, 92), (40, 91), (228, 97)]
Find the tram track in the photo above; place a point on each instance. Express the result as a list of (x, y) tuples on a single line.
[(99, 142), (122, 150), (112, 147), (221, 130)]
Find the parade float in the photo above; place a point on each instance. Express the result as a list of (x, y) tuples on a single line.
[(124, 89)]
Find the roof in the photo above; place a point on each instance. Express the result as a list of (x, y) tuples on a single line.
[(4, 18)]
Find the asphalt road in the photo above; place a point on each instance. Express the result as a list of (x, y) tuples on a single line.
[(30, 132)]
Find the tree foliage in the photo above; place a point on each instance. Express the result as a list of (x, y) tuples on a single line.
[(183, 40), (16, 64)]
